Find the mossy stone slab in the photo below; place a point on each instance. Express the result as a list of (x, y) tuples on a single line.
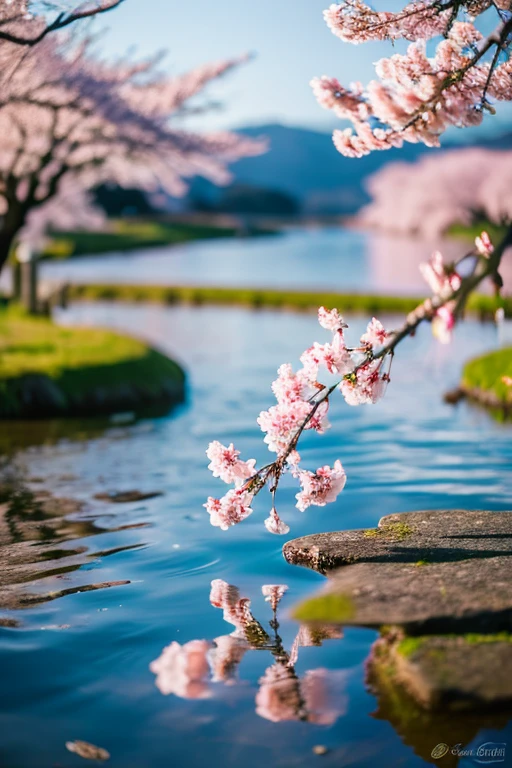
[(447, 671), (411, 537), (463, 596)]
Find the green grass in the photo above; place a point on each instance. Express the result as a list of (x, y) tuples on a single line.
[(368, 304), (470, 231), (76, 363), (485, 373), (130, 235)]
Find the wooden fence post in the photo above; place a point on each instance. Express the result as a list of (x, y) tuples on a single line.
[(28, 268)]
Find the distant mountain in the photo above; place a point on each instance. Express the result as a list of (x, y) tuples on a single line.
[(305, 164)]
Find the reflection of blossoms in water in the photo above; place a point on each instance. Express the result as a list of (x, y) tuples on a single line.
[(183, 670), (309, 635), (284, 696), (273, 594), (225, 657), (188, 671)]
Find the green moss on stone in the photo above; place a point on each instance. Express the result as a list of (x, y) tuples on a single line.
[(329, 608), (410, 645), (500, 637), (394, 531)]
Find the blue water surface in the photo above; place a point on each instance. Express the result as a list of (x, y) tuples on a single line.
[(77, 667)]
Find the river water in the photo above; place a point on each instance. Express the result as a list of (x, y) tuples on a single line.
[(77, 666), (327, 258)]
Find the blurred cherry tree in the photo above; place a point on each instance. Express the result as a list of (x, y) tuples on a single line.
[(71, 120), (456, 187)]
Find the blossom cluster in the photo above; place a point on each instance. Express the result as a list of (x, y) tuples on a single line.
[(302, 404), (354, 21), (415, 97), (444, 282)]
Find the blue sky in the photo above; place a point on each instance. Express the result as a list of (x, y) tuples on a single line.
[(289, 37), (291, 41)]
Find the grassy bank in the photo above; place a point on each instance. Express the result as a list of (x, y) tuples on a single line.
[(482, 379), (125, 235), (47, 370), (483, 306)]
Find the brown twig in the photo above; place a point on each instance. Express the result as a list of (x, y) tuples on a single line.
[(63, 20)]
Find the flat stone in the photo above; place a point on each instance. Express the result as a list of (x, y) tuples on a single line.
[(36, 529), (463, 596), (125, 497), (439, 587), (429, 699), (442, 671), (410, 537)]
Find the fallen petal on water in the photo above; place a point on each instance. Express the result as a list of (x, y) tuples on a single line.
[(87, 751)]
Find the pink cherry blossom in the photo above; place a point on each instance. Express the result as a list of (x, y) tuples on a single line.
[(274, 524), (322, 487), (443, 323), (293, 459), (290, 387), (226, 464), (344, 102), (376, 335), (484, 244), (331, 320), (334, 357), (230, 509), (366, 386), (281, 423), (353, 21), (183, 670), (441, 282), (318, 420)]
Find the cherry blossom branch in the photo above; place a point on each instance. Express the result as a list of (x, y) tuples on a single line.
[(63, 20), (416, 98), (302, 401)]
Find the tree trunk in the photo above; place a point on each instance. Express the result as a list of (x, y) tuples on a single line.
[(12, 223), (7, 237)]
